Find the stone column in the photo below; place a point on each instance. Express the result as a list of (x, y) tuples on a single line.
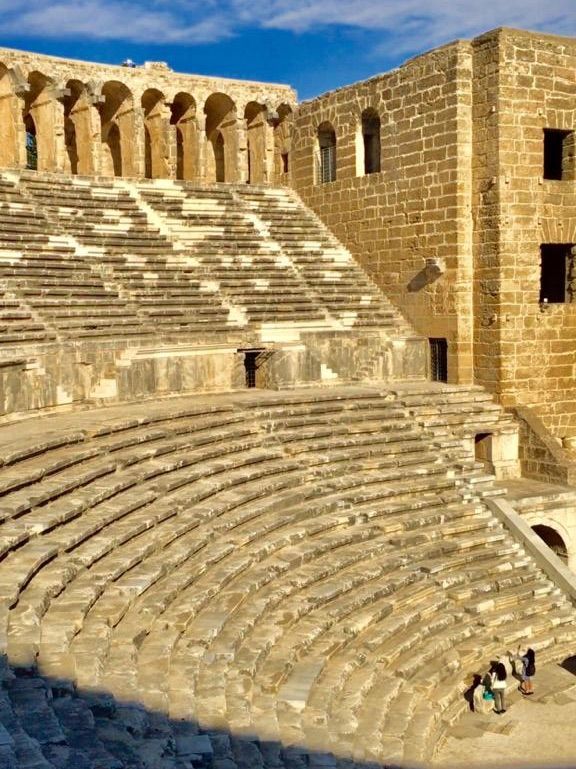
[(240, 172), (132, 140), (271, 120), (201, 149)]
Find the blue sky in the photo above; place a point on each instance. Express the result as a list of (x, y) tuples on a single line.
[(313, 45)]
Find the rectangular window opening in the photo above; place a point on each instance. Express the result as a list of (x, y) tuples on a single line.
[(285, 162), (558, 154), (438, 359), (557, 276)]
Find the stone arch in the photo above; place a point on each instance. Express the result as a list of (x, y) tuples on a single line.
[(369, 142), (552, 537), (183, 118), (11, 122), (283, 142), (118, 130), (256, 116), (222, 136), (326, 153), (44, 119), (79, 129), (155, 134)]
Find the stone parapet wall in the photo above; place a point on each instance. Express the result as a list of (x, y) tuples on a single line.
[(104, 371)]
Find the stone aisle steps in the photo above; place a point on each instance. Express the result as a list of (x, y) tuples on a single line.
[(249, 269), (328, 268)]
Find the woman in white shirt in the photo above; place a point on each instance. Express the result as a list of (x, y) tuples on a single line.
[(498, 676)]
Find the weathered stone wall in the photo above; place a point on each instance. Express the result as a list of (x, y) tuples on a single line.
[(112, 120), (107, 371), (461, 182), (418, 206), (524, 350)]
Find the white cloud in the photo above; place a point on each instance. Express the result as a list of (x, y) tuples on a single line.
[(410, 25), (112, 20)]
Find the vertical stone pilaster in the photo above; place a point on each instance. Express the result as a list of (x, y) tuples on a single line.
[(133, 151), (202, 149), (241, 154)]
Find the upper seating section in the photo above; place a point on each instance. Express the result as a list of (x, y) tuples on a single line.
[(83, 258), (271, 255), (270, 564)]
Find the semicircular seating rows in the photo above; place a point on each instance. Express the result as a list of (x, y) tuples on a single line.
[(302, 578)]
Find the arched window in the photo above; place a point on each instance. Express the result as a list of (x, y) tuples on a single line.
[(371, 141), (222, 162), (81, 125), (40, 118), (326, 153), (183, 118), (155, 134), (118, 133)]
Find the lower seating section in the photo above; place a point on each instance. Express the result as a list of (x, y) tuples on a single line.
[(279, 579)]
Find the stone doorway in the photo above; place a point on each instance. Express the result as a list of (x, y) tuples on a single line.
[(256, 371)]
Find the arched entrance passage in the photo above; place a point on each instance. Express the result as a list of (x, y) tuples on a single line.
[(282, 142), (155, 135), (257, 126), (222, 136), (553, 539), (42, 117), (118, 134), (183, 118), (10, 120), (80, 127), (326, 153)]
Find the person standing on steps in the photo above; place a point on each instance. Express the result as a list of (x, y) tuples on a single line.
[(528, 671), (499, 675)]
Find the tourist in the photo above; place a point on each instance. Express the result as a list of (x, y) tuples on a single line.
[(487, 693), (498, 676), (528, 671)]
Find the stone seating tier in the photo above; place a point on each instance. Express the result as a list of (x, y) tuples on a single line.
[(169, 259), (313, 568)]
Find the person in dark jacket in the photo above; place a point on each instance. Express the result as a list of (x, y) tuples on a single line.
[(528, 671)]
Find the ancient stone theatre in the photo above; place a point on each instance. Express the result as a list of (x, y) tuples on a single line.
[(287, 409)]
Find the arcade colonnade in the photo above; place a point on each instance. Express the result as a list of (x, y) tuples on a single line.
[(107, 128)]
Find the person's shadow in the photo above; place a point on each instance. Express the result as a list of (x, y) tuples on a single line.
[(469, 694)]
